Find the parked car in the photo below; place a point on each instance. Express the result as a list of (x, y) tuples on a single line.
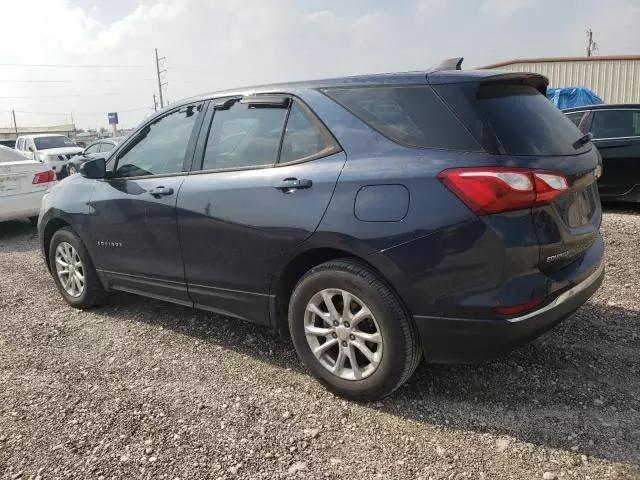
[(96, 149), (616, 133), (23, 182), (53, 150), (374, 218)]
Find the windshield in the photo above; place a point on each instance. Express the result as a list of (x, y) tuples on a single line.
[(44, 143)]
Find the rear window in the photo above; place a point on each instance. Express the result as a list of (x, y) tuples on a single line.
[(412, 116), (513, 119)]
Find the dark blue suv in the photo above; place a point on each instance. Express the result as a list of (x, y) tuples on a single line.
[(451, 213)]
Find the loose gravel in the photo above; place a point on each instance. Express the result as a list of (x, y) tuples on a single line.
[(143, 389)]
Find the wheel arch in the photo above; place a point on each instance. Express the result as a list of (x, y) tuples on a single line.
[(285, 280), (50, 229)]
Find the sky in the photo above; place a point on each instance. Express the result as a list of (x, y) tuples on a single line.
[(102, 51)]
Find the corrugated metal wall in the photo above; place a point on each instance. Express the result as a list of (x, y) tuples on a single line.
[(615, 81)]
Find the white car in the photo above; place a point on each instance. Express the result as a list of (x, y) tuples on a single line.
[(23, 183), (53, 150)]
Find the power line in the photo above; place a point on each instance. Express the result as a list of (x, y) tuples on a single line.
[(60, 65), (71, 96), (76, 113), (81, 80)]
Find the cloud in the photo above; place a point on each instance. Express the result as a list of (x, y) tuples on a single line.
[(505, 8)]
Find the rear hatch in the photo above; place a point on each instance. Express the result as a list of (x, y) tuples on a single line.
[(512, 119)]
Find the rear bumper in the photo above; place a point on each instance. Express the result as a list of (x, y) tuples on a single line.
[(21, 206), (454, 340)]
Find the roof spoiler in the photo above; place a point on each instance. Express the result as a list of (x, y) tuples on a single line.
[(448, 64)]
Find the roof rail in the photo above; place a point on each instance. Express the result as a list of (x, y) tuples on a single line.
[(448, 64)]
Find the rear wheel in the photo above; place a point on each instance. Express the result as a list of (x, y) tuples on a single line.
[(73, 270), (351, 331)]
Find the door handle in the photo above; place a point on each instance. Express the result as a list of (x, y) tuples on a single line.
[(290, 185), (160, 191)]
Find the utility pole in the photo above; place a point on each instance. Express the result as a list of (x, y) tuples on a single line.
[(155, 103), (160, 72), (15, 125), (591, 45)]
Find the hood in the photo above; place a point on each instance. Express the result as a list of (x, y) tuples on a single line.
[(61, 151)]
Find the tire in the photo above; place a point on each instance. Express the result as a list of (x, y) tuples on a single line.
[(92, 293), (71, 170), (400, 350)]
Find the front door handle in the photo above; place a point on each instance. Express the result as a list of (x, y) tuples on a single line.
[(290, 185), (161, 191)]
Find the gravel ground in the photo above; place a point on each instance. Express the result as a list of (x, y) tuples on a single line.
[(142, 389)]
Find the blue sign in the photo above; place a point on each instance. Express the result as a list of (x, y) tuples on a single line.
[(113, 118)]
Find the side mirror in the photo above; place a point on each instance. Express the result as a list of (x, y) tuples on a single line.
[(31, 149), (96, 168)]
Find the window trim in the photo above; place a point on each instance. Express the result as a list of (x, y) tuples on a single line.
[(115, 154), (592, 116), (226, 102), (480, 150)]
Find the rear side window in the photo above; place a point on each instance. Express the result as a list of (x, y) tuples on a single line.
[(412, 116), (244, 136), (303, 138), (20, 144), (615, 123), (512, 119)]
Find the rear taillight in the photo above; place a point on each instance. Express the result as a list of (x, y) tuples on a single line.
[(44, 177), (495, 189)]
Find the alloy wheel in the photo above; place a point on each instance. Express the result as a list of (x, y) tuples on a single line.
[(343, 334), (69, 269)]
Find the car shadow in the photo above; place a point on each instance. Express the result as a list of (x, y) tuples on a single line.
[(574, 388), (18, 236), (624, 208)]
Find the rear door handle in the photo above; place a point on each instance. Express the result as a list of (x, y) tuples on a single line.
[(161, 191), (290, 185)]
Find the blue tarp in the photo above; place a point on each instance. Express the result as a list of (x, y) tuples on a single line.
[(572, 97)]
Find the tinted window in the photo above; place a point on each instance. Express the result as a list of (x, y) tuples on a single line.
[(615, 123), (244, 136), (43, 143), (95, 148), (576, 118), (409, 115), (106, 146), (512, 119), (161, 146), (302, 137)]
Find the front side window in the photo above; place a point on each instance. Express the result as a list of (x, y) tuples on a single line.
[(28, 144), (244, 135), (160, 147), (44, 143), (95, 148), (615, 123), (106, 147), (576, 118)]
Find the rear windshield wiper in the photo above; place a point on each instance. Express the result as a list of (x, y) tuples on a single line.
[(586, 138)]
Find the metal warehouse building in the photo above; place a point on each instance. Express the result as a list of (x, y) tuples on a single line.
[(615, 79)]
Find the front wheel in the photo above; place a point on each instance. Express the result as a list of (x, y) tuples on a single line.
[(72, 170), (352, 332), (73, 270)]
